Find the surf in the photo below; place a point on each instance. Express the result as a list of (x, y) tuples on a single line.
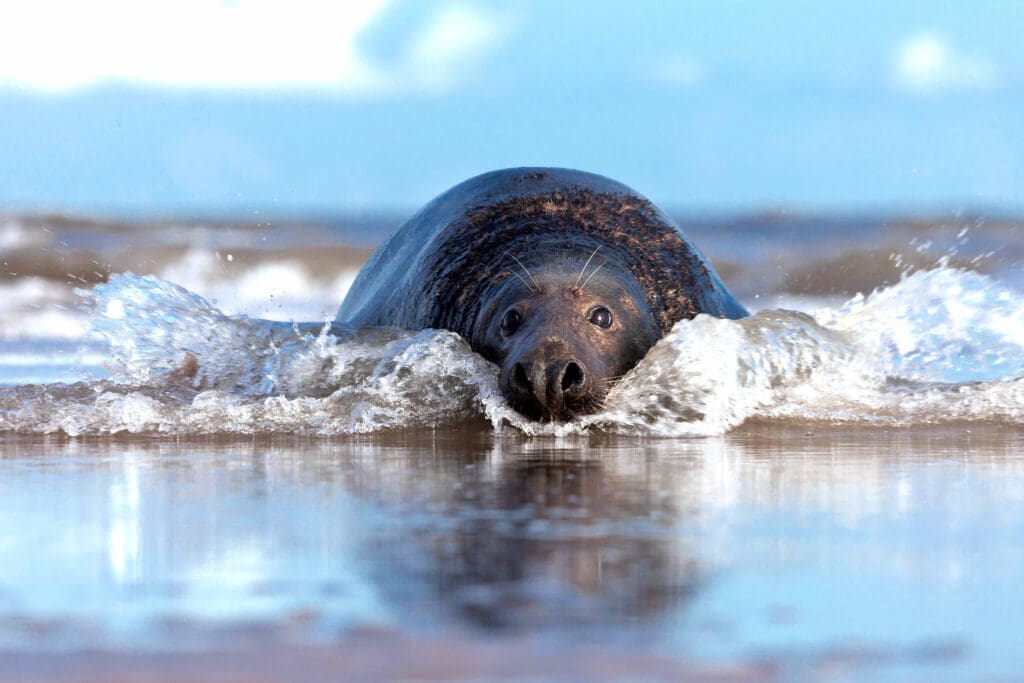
[(940, 346)]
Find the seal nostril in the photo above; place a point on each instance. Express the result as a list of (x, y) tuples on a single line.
[(520, 380), (573, 377)]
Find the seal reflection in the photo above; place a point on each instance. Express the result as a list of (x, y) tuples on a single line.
[(548, 541), (424, 530)]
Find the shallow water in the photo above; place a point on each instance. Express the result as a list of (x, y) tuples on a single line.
[(939, 346), (188, 492), (864, 320), (767, 554)]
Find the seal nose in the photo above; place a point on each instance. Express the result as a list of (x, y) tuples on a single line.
[(544, 386)]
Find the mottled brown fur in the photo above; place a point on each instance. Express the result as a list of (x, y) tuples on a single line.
[(476, 252)]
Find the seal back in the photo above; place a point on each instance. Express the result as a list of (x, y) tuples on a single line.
[(436, 269)]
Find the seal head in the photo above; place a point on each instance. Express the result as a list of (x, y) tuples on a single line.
[(563, 332)]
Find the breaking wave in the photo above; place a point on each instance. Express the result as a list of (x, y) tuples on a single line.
[(942, 345)]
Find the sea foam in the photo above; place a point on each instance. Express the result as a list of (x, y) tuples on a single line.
[(942, 345)]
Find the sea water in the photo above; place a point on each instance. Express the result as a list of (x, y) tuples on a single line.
[(940, 345), (179, 473)]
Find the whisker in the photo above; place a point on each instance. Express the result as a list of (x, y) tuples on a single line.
[(584, 268), (528, 285), (528, 273), (584, 285)]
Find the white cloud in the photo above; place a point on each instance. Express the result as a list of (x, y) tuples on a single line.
[(677, 70), (447, 50), (58, 45), (926, 64)]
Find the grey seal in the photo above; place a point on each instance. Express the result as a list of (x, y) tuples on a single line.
[(562, 278)]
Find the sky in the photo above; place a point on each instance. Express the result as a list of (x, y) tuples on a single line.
[(124, 106)]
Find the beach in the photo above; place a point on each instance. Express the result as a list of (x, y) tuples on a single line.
[(276, 405)]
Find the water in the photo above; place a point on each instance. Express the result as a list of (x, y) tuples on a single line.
[(939, 346), (779, 554), (938, 337), (190, 488)]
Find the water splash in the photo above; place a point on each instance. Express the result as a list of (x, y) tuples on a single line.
[(942, 345)]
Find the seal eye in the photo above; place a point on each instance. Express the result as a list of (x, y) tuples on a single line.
[(510, 323), (600, 316)]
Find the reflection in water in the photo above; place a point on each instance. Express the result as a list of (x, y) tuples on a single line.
[(123, 543), (765, 539), (546, 539)]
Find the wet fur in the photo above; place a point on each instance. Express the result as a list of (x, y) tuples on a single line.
[(474, 254), (482, 246)]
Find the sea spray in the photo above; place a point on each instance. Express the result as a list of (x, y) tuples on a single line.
[(942, 345)]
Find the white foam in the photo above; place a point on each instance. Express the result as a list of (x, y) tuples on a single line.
[(34, 308), (275, 290), (940, 346)]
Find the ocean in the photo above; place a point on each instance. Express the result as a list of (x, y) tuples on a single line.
[(830, 489)]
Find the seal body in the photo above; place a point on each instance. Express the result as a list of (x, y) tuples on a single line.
[(563, 278)]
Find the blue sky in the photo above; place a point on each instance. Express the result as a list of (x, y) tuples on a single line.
[(123, 106)]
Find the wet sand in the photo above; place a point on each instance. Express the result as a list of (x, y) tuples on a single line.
[(773, 553), (380, 656)]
